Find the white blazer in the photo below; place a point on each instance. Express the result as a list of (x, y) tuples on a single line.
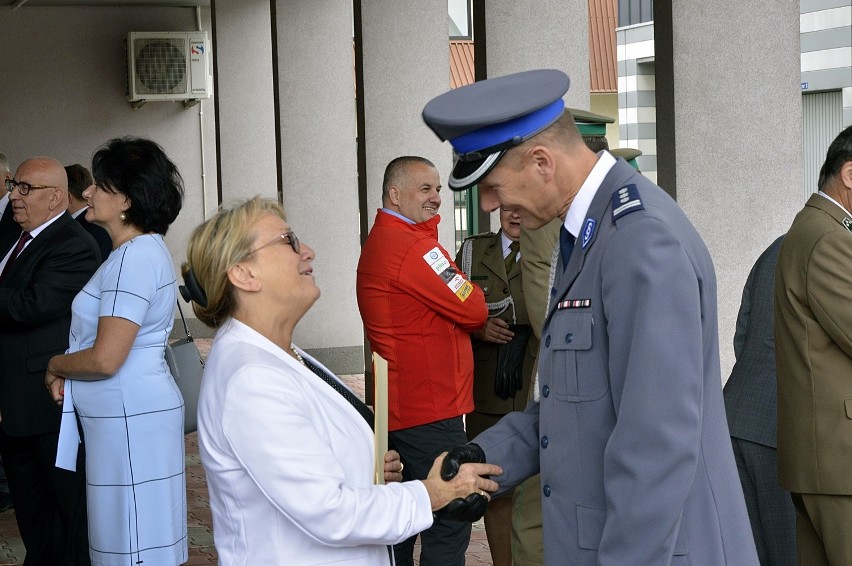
[(289, 464)]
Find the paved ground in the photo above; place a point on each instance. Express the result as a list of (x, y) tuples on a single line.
[(199, 521)]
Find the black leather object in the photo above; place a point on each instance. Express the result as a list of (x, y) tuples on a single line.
[(472, 507), (508, 379)]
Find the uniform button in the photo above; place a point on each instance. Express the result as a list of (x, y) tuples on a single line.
[(569, 337), (553, 291), (546, 491), (545, 390), (544, 442), (505, 289), (547, 341)]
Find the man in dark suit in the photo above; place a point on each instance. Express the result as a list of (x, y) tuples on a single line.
[(751, 404), (813, 334), (629, 435), (42, 267), (79, 179)]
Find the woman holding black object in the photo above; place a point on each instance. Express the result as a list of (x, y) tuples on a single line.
[(287, 448), (115, 377)]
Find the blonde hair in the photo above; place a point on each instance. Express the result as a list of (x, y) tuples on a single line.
[(218, 244)]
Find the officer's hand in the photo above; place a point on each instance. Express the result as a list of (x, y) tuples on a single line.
[(464, 473)]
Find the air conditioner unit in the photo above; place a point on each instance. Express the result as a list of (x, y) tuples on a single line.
[(168, 65)]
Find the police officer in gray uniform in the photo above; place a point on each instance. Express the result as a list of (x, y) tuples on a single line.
[(629, 433)]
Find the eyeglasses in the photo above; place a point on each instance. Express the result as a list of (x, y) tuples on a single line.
[(286, 237), (24, 188)]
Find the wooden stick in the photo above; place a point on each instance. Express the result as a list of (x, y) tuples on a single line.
[(380, 408)]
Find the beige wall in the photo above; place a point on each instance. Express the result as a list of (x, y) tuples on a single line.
[(245, 98), (63, 96), (606, 104)]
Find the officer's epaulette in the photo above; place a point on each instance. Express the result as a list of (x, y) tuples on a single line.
[(482, 235), (626, 200)]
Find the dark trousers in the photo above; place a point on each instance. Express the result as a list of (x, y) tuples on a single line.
[(445, 542), (50, 503), (770, 507)]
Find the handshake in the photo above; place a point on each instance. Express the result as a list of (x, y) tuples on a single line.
[(460, 492)]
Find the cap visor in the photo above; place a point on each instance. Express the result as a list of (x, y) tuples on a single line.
[(468, 173)]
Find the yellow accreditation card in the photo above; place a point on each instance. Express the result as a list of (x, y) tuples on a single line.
[(380, 408)]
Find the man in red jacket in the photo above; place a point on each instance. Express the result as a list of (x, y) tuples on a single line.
[(418, 309)]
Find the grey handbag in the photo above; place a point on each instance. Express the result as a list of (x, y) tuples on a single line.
[(186, 366)]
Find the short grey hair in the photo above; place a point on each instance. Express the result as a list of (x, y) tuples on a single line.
[(4, 164)]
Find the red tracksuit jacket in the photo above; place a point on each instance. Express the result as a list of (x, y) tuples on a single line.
[(418, 309)]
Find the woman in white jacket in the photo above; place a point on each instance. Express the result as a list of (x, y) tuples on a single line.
[(287, 449)]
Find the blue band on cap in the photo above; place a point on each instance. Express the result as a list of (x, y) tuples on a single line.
[(521, 128)]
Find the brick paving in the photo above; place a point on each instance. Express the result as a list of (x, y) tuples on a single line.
[(199, 520)]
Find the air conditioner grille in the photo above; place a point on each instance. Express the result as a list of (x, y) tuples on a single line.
[(160, 66)]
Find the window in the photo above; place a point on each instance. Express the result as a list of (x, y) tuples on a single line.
[(459, 19), (632, 12)]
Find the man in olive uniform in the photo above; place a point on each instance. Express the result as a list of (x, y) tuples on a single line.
[(813, 337), (503, 351)]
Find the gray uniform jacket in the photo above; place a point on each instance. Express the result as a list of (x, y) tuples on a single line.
[(630, 435)]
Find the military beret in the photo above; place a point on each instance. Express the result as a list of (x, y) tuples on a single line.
[(485, 119)]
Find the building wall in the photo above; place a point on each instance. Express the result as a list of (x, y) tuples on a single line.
[(730, 116), (826, 43), (245, 100), (637, 114), (63, 96), (320, 173), (826, 64), (825, 28), (406, 64)]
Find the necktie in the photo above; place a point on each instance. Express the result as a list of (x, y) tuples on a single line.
[(22, 241), (512, 257), (566, 245)]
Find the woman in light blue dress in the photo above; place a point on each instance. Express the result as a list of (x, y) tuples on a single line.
[(114, 379)]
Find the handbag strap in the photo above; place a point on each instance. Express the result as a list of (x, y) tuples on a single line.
[(183, 320)]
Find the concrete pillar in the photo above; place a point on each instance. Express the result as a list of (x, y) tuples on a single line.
[(320, 174), (244, 99), (555, 36), (406, 64), (729, 130)]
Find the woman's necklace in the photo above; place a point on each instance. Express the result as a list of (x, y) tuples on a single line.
[(298, 357)]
